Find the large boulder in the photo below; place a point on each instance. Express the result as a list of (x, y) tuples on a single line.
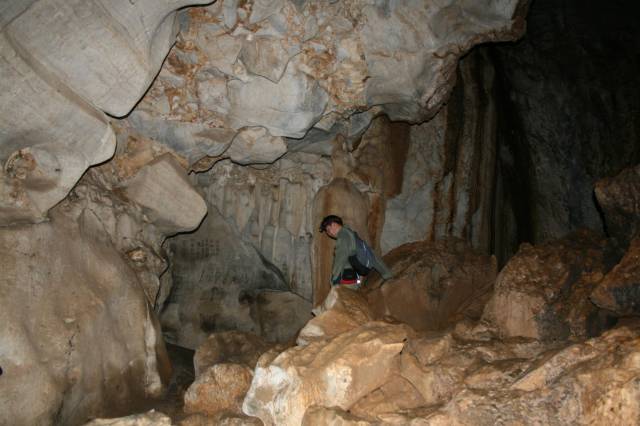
[(434, 284), (337, 372), (79, 337), (221, 388), (343, 310), (543, 291), (229, 347), (619, 291), (619, 199)]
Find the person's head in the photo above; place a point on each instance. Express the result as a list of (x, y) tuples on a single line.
[(331, 225)]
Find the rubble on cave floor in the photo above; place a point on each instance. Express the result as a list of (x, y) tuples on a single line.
[(354, 366)]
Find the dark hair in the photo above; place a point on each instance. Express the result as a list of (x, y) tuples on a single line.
[(329, 220)]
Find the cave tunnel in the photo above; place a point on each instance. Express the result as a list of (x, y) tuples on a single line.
[(167, 165)]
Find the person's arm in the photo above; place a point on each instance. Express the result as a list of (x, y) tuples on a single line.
[(340, 255)]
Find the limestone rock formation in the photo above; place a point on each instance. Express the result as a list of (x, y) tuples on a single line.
[(221, 388), (151, 418), (330, 373), (94, 329), (75, 329), (229, 347), (289, 66), (543, 291), (220, 282), (222, 419), (448, 183), (619, 198), (64, 65), (619, 291), (343, 310), (445, 281), (565, 118)]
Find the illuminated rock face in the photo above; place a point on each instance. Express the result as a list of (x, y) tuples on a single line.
[(64, 65)]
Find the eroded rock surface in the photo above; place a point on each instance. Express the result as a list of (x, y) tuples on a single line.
[(229, 347), (64, 65), (334, 372), (74, 330), (221, 388), (619, 291), (444, 281), (543, 291), (619, 198)]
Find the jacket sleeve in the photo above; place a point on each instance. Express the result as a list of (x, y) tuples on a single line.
[(340, 255)]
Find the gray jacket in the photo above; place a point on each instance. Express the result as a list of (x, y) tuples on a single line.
[(346, 247)]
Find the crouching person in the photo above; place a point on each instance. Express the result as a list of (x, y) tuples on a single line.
[(353, 258)]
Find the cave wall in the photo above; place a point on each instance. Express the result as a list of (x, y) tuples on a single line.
[(568, 101)]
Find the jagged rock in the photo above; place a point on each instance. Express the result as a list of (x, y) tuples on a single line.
[(619, 291), (396, 395), (588, 383), (255, 145), (229, 347), (79, 336), (434, 285), (619, 198), (317, 415), (343, 310), (168, 198), (54, 89), (337, 372), (222, 419), (150, 418), (287, 108), (543, 291), (221, 388), (280, 314)]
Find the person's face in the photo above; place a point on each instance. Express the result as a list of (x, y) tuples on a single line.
[(332, 230)]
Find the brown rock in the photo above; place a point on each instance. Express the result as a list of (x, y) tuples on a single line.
[(234, 347), (337, 372), (543, 291), (619, 291), (395, 395), (317, 415), (150, 418), (221, 419), (435, 284), (220, 388), (343, 310), (619, 199)]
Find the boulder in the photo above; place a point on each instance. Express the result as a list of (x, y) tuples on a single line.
[(397, 394), (79, 338), (150, 418), (619, 291), (221, 388), (594, 382), (222, 419), (543, 291), (169, 200), (619, 199), (343, 310), (336, 372), (434, 285), (318, 415), (255, 145), (234, 347)]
